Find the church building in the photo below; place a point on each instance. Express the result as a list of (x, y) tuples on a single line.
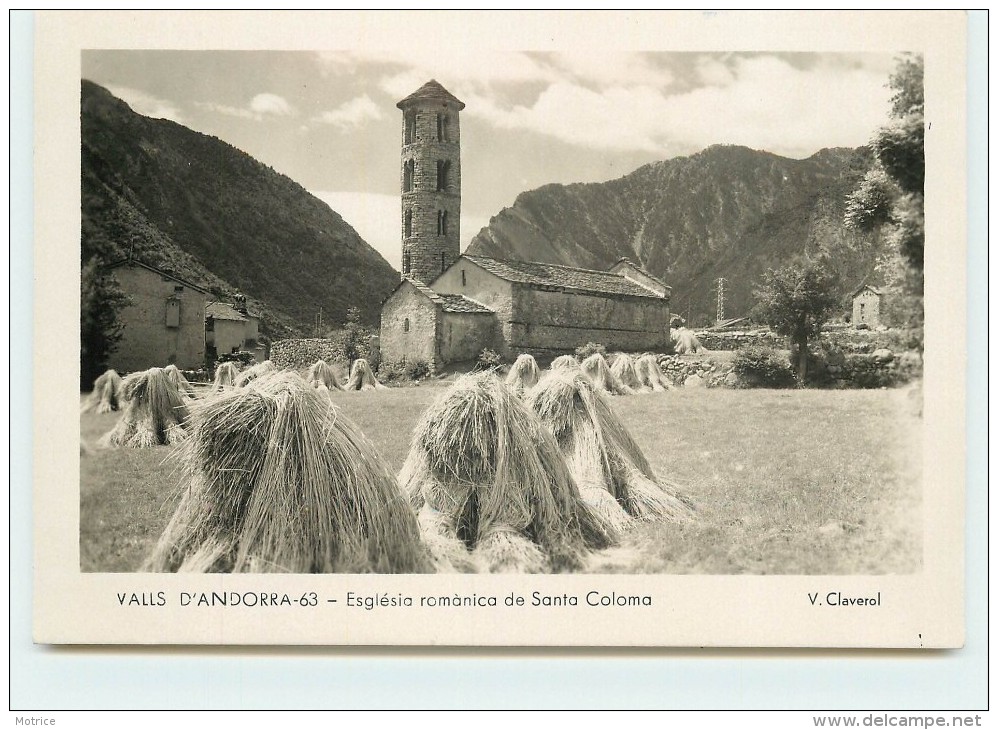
[(449, 307)]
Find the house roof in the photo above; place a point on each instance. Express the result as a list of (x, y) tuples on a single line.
[(221, 310), (431, 91), (537, 274), (161, 272), (863, 287)]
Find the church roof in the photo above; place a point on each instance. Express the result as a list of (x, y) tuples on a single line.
[(461, 303), (447, 302), (537, 274), (431, 91)]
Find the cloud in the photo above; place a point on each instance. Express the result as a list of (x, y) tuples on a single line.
[(351, 114), (146, 104), (761, 102), (230, 111), (263, 104)]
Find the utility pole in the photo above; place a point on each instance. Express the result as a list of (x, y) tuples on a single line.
[(720, 299)]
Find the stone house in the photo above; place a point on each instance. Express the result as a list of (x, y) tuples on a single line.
[(229, 329), (866, 306), (163, 323)]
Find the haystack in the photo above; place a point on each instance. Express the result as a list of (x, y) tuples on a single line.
[(684, 341), (361, 377), (565, 362), (278, 481), (598, 371), (106, 394), (225, 377), (322, 373), (179, 381), (524, 373), (250, 374), (612, 473), (491, 486), (651, 375), (154, 412), (624, 370)]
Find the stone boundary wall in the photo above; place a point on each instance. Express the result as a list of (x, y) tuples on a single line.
[(297, 354), (847, 339)]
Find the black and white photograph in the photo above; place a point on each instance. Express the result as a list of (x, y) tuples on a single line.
[(439, 329)]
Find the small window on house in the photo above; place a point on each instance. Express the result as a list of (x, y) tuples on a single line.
[(441, 222), (405, 325), (410, 127), (443, 172), (209, 324), (408, 173), (172, 312), (862, 311), (178, 289), (464, 279), (407, 226)]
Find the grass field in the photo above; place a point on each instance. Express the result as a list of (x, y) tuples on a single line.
[(785, 481)]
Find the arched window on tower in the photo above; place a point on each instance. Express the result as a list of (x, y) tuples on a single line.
[(410, 127), (407, 224), (443, 173), (405, 263), (441, 222), (443, 261), (443, 133), (409, 172), (405, 325)]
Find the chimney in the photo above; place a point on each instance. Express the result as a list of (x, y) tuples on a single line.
[(240, 304)]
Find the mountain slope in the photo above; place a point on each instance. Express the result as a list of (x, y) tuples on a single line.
[(199, 207), (725, 212)]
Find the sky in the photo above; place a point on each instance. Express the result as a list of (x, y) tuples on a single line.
[(328, 120)]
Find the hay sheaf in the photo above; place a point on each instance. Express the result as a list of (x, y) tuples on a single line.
[(598, 371), (225, 377), (524, 373), (250, 374), (106, 394), (154, 412), (685, 341), (492, 489), (613, 474), (650, 374), (565, 362), (277, 480), (321, 373), (362, 377), (624, 370), (181, 383)]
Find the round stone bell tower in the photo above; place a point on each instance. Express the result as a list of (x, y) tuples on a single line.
[(431, 181)]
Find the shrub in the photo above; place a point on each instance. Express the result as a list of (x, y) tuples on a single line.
[(763, 366), (417, 369), (590, 348), (489, 360), (243, 358), (390, 371)]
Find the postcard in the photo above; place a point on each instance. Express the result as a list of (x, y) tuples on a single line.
[(628, 329)]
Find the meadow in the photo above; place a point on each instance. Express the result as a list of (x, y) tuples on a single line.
[(785, 482)]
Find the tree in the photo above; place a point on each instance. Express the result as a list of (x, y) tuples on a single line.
[(892, 193), (354, 335), (100, 331), (796, 301)]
